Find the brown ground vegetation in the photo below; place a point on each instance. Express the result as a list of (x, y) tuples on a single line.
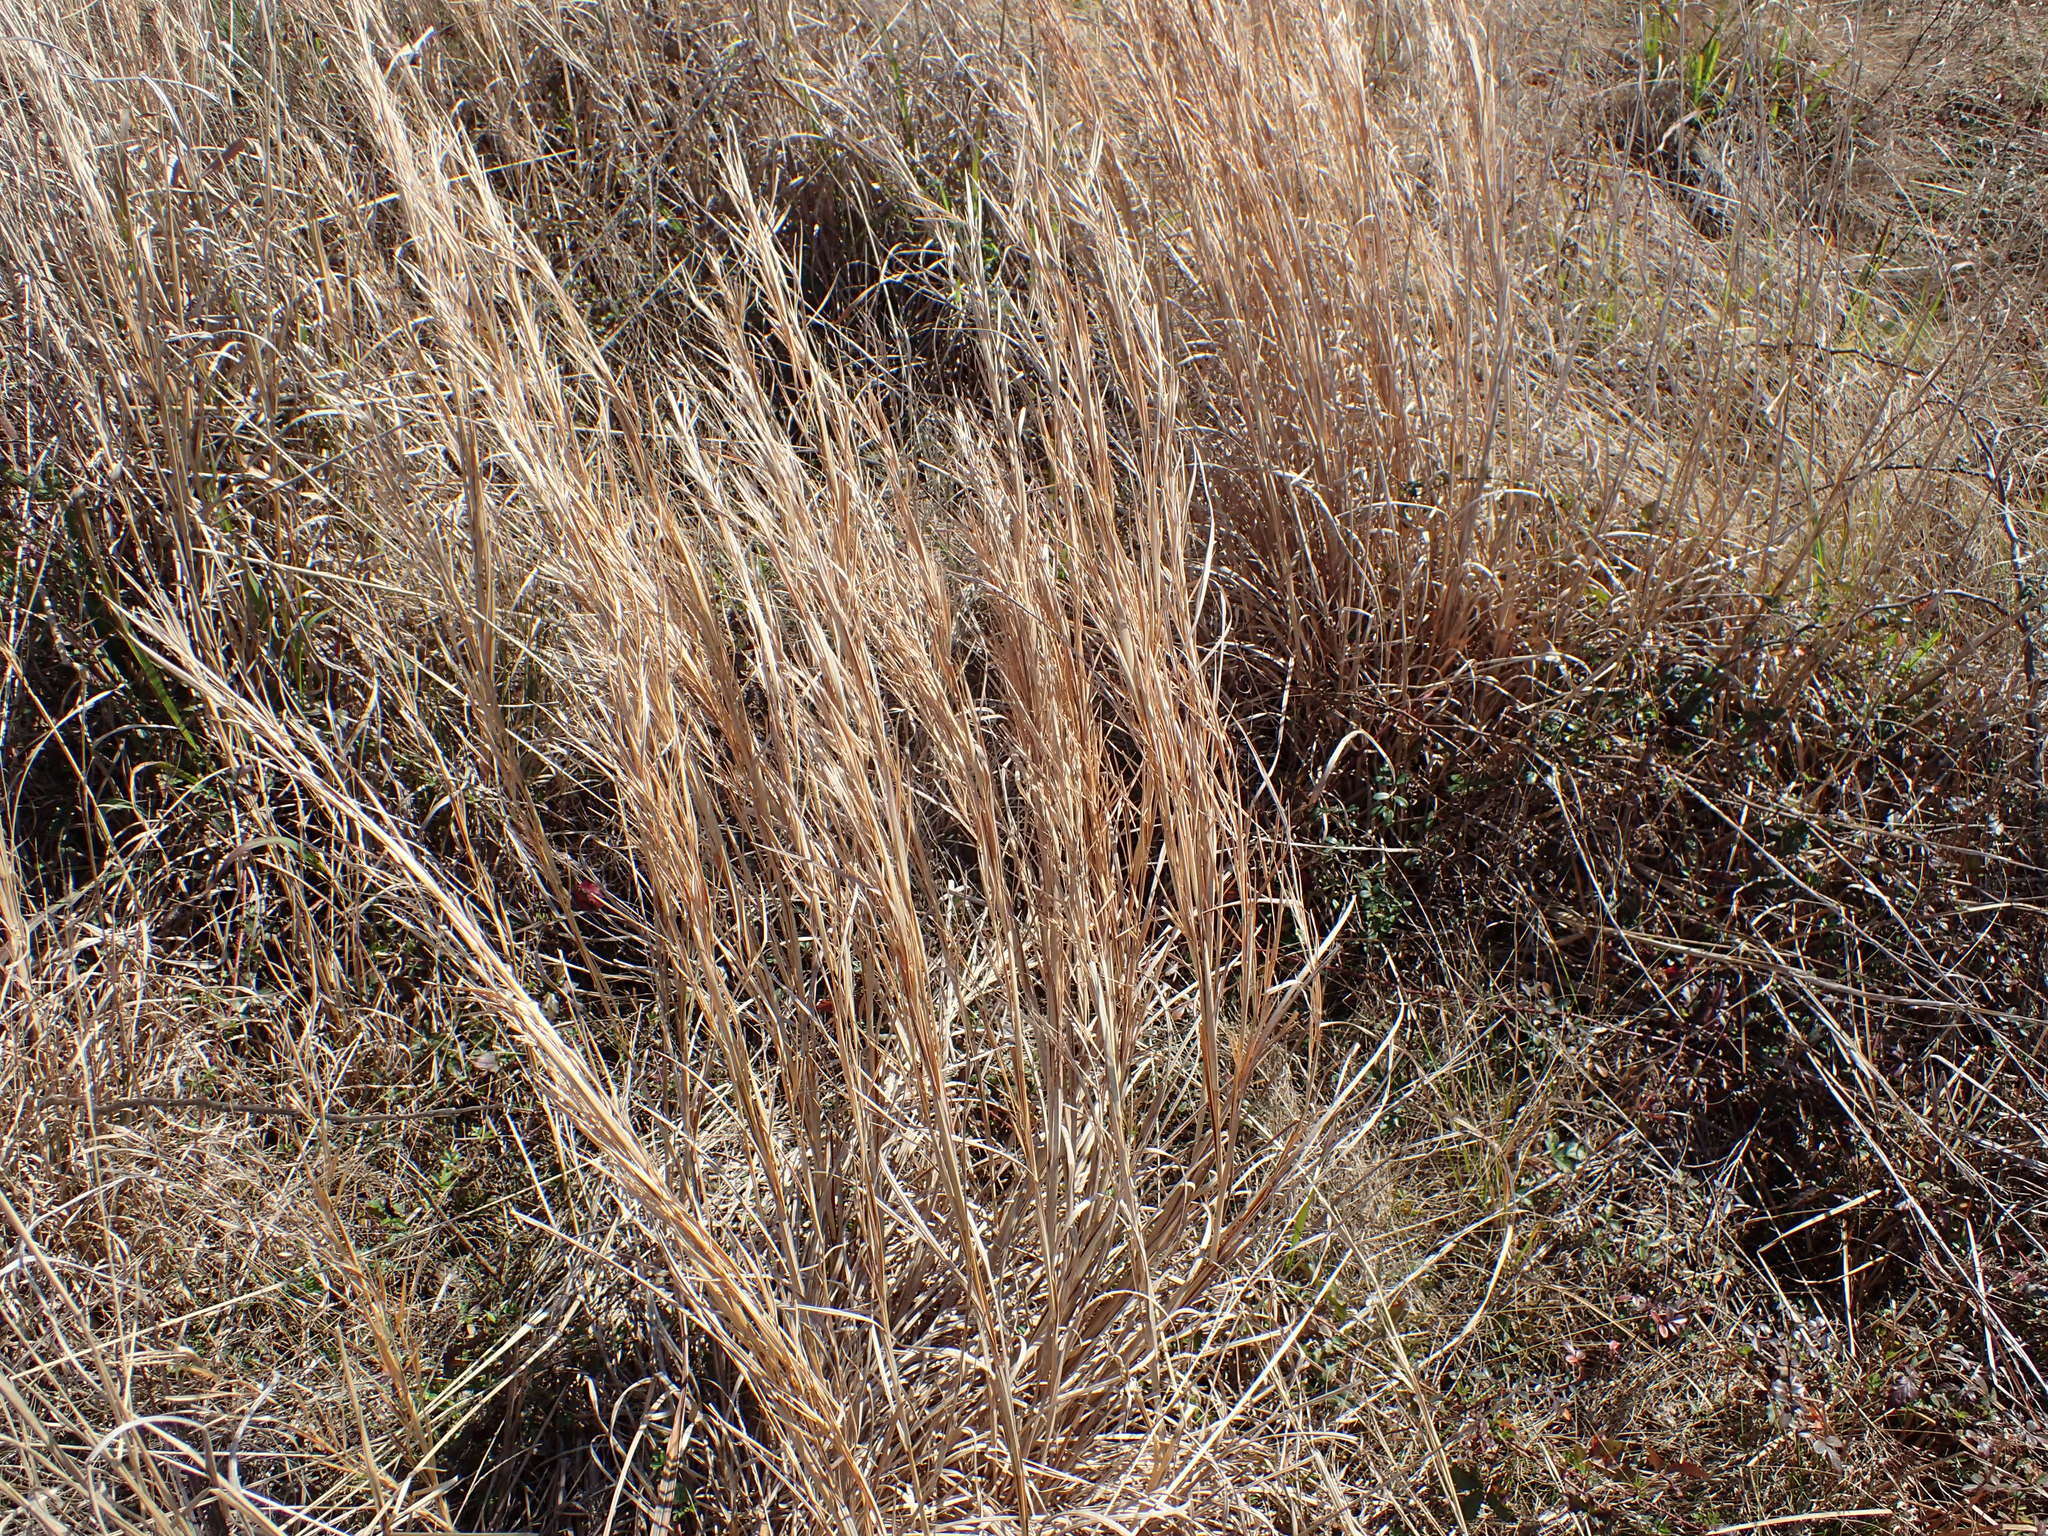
[(1170, 766)]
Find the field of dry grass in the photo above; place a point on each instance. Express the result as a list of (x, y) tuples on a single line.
[(1155, 766)]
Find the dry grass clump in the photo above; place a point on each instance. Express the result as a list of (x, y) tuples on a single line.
[(1205, 767)]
